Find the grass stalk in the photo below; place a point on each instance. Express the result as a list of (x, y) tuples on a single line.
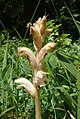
[(32, 17), (76, 24), (7, 110), (78, 98), (6, 53)]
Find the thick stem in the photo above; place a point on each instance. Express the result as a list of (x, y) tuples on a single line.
[(37, 104)]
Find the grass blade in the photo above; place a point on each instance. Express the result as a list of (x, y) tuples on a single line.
[(77, 25), (5, 54), (67, 98), (78, 98), (67, 64), (7, 110)]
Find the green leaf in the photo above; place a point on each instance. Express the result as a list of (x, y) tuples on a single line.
[(67, 64), (67, 98), (6, 73), (78, 96), (53, 61), (63, 36), (5, 56)]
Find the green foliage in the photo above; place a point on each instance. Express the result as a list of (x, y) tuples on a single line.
[(12, 67)]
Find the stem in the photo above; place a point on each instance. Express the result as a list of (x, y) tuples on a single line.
[(37, 104)]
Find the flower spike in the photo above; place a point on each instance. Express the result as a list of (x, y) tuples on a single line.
[(39, 31)]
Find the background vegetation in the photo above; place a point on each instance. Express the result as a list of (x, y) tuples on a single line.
[(60, 98)]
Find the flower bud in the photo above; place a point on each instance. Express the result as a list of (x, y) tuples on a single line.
[(38, 32), (37, 38), (48, 31), (43, 25)]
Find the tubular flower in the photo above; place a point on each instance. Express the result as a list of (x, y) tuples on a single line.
[(40, 78), (27, 85), (23, 51), (39, 31), (47, 48)]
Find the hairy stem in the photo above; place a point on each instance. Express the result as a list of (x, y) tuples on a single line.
[(37, 104)]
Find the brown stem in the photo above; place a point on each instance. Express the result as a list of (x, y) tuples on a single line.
[(37, 104)]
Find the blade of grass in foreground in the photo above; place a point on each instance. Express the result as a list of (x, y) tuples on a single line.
[(7, 110), (78, 86), (5, 54), (4, 65), (66, 96), (66, 63)]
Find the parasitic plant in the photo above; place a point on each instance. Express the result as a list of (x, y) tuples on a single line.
[(39, 32)]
